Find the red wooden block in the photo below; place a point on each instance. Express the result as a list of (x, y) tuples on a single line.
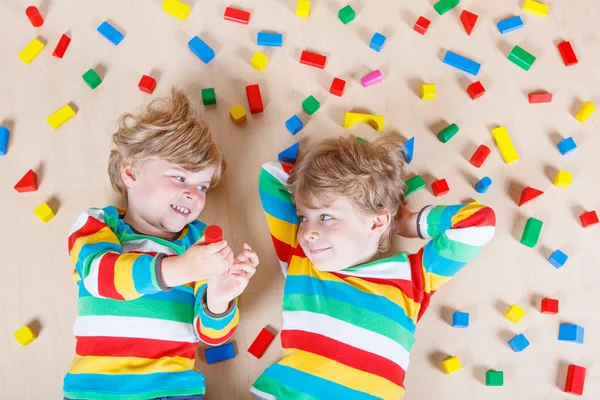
[(28, 183), (34, 16), (313, 59), (588, 218), (147, 84), (422, 25), (475, 90), (480, 155), (235, 15), (213, 234), (254, 99), (567, 53), (440, 187), (549, 306), (468, 20), (337, 87), (575, 379), (529, 194), (61, 47), (535, 98), (260, 344)]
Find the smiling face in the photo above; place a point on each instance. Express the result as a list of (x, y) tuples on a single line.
[(164, 197), (339, 235)]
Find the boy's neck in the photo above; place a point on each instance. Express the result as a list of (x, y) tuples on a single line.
[(143, 227)]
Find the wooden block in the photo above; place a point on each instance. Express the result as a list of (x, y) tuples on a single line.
[(219, 353), (475, 90), (588, 218), (480, 155), (563, 179), (422, 25), (254, 99), (414, 184), (443, 6), (535, 98), (303, 8), (529, 194), (440, 187), (549, 306), (535, 7), (567, 53), (213, 234), (310, 105), (585, 111), (177, 9), (337, 87), (44, 212), (531, 233), (515, 313), (259, 61), (447, 133), (428, 91), (61, 116), (237, 114), (468, 20), (521, 57), (147, 84), (25, 335), (28, 183), (235, 15), (505, 145), (61, 47), (92, 79), (575, 379), (260, 344), (376, 121), (31, 51), (451, 365), (313, 59)]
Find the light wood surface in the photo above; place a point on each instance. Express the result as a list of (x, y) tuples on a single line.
[(36, 285)]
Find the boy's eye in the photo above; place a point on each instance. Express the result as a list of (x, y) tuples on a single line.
[(179, 178), (302, 218), (202, 188), (325, 217)]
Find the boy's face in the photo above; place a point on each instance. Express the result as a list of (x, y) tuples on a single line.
[(163, 197), (340, 235)]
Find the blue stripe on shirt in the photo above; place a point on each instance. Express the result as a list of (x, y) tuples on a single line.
[(438, 264), (133, 383), (277, 208)]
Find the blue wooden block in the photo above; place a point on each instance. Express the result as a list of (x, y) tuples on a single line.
[(269, 39), (566, 145), (409, 146), (377, 41), (294, 125), (111, 33), (558, 258), (219, 353), (483, 185), (518, 343), (460, 319), (201, 49), (290, 154), (510, 24), (462, 63), (4, 134), (571, 333)]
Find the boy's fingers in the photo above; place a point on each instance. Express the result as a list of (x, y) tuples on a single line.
[(253, 258), (243, 267), (213, 247)]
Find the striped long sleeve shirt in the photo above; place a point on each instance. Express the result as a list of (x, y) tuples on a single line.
[(136, 338), (348, 334)]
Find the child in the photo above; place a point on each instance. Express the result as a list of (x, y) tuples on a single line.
[(149, 288), (349, 316)]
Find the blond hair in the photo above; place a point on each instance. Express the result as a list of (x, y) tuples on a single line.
[(166, 129), (371, 175)]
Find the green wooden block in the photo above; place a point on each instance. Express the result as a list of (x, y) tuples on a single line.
[(532, 231), (311, 105), (443, 6), (359, 139), (209, 96), (346, 14), (92, 78), (521, 57), (414, 184), (446, 134), (494, 378)]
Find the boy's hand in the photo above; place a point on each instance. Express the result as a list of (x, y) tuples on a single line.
[(199, 262), (405, 223), (228, 285)]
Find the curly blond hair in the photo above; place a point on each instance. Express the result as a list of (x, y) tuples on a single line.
[(371, 175), (166, 129)]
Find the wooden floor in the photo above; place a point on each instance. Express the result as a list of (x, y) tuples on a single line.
[(36, 286)]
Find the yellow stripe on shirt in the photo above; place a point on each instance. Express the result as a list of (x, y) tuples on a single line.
[(104, 235), (124, 276), (128, 365), (216, 334), (282, 230)]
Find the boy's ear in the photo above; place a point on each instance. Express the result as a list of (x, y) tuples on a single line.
[(381, 222), (128, 173)]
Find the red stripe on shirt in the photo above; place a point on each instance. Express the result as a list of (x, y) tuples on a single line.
[(133, 347), (106, 277), (91, 226), (211, 341), (482, 217), (283, 250)]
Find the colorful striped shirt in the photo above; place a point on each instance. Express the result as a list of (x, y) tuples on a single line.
[(136, 338), (348, 334)]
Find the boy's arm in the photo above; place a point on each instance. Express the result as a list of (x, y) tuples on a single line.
[(279, 210), (105, 271), (213, 329)]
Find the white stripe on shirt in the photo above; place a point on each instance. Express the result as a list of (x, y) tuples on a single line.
[(473, 235)]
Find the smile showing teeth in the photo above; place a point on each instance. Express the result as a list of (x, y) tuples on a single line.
[(180, 209)]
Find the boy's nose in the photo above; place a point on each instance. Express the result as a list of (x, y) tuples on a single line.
[(311, 235), (191, 192)]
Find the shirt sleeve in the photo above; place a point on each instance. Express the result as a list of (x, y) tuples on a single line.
[(211, 328), (457, 234), (279, 210), (101, 266)]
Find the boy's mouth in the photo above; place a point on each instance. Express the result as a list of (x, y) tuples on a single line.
[(317, 251), (180, 210)]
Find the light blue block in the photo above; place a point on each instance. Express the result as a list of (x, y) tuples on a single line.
[(483, 185), (219, 353), (462, 63), (4, 134), (377, 41), (290, 154), (558, 258), (460, 319), (409, 146), (518, 343), (566, 145), (510, 24), (269, 39), (201, 49), (571, 333), (111, 33), (294, 125)]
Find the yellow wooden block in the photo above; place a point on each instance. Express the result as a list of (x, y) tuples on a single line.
[(177, 9), (585, 111), (515, 313), (31, 51), (451, 365), (259, 61), (563, 179), (428, 91), (44, 212), (25, 335), (303, 8), (376, 121), (535, 7), (508, 151), (61, 116), (237, 114)]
